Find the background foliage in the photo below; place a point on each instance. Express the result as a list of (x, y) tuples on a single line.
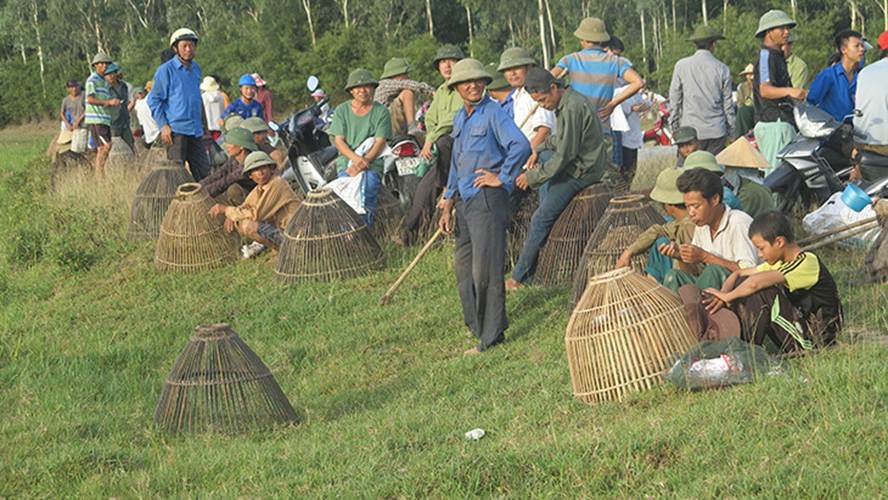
[(46, 42)]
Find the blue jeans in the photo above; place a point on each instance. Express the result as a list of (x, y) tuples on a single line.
[(370, 188), (618, 148), (554, 195)]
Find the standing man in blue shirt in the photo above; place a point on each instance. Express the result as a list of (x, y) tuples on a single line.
[(488, 153), (177, 107)]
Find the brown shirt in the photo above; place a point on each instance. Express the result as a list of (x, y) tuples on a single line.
[(275, 203), (679, 231)]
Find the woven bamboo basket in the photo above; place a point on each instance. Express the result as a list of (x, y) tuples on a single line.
[(153, 197), (561, 254), (190, 238), (326, 240), (388, 215), (624, 220), (152, 157), (121, 158), (621, 335), (219, 384), (875, 264), (520, 225)]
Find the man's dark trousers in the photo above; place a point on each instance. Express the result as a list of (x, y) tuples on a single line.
[(555, 194), (479, 259), (192, 150), (426, 196)]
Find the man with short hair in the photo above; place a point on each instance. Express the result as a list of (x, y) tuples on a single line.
[(259, 128), (121, 122), (436, 149), (177, 107), (578, 160), (833, 88), (488, 153), (72, 110), (594, 72), (360, 130), (228, 182), (798, 69), (97, 115), (773, 89), (700, 95), (872, 101), (720, 244), (246, 105)]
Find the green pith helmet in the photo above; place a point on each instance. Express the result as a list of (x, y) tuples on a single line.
[(514, 57), (394, 67), (773, 19), (447, 52), (101, 57), (592, 29), (240, 137), (684, 135), (359, 78), (499, 81), (257, 159), (666, 188), (232, 122), (703, 159), (254, 124), (704, 33), (467, 70)]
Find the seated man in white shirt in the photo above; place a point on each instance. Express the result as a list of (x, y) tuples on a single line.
[(535, 122), (720, 245)]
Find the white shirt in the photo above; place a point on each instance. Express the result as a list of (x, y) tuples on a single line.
[(618, 122), (633, 138), (149, 126), (214, 105), (731, 241), (523, 105), (872, 100)]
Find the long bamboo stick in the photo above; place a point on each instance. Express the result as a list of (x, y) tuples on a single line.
[(425, 249)]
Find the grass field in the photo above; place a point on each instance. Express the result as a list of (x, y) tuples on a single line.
[(88, 332)]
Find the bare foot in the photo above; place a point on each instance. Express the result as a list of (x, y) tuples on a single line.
[(472, 352), (512, 285)]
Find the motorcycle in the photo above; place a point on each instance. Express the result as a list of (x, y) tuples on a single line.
[(659, 132), (400, 168), (309, 151)]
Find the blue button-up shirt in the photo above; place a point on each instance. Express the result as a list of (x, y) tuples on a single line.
[(832, 92), (508, 105), (486, 139), (175, 97)]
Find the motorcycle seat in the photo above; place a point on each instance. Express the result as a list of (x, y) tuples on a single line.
[(325, 155), (871, 159)]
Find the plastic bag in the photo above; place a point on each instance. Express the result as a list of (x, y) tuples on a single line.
[(834, 214), (351, 190), (721, 363), (79, 140)]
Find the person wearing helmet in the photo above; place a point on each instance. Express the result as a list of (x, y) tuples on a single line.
[(247, 105), (259, 128), (228, 182), (177, 107), (402, 95), (99, 102)]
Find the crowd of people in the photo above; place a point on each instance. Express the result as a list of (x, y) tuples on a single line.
[(493, 134)]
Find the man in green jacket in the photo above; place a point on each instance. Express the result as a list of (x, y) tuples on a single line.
[(439, 124), (578, 160)]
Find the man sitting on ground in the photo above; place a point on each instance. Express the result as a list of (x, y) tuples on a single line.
[(578, 160), (720, 242), (259, 128), (267, 210), (680, 229), (228, 183), (791, 298), (686, 141)]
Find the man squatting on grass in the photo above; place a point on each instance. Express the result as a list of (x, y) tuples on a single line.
[(578, 160), (488, 152)]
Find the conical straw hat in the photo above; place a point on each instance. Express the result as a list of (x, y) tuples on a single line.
[(742, 154)]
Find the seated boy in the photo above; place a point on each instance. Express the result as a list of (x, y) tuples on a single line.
[(720, 244), (267, 209), (791, 298), (680, 229)]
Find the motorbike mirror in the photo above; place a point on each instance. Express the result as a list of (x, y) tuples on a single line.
[(313, 83), (858, 113)]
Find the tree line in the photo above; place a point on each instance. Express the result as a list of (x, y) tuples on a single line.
[(47, 42)]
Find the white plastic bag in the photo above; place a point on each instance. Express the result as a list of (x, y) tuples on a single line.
[(351, 190), (79, 140), (834, 214)]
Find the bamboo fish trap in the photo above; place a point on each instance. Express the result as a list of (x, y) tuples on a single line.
[(875, 264), (621, 335), (561, 254), (520, 224), (190, 238), (219, 384), (153, 197), (388, 215), (326, 240), (154, 156), (624, 220), (121, 157)]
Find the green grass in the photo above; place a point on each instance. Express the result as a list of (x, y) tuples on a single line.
[(88, 332)]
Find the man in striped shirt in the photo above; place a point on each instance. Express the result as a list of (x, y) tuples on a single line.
[(97, 116), (595, 73)]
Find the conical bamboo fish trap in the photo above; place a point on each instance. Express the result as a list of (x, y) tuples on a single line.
[(155, 155), (388, 215), (219, 384), (520, 225), (153, 197), (624, 220), (621, 335), (561, 254), (190, 238), (875, 264), (121, 158), (326, 240)]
